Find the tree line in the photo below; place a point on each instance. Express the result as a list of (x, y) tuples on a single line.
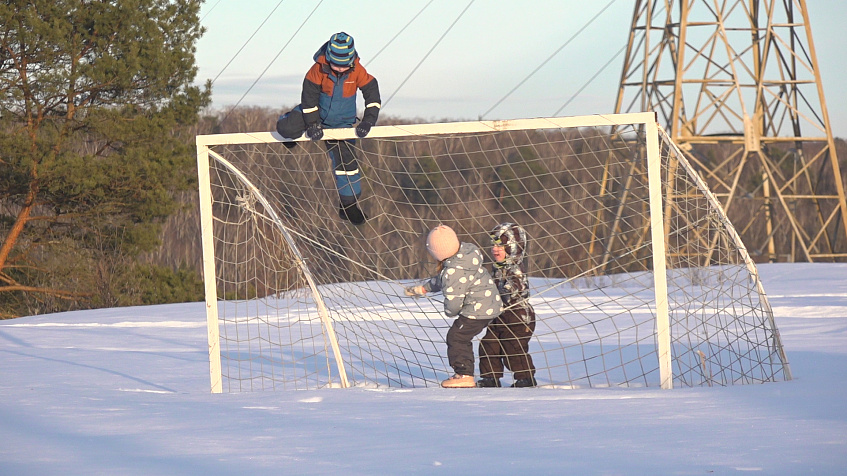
[(551, 185), (98, 115)]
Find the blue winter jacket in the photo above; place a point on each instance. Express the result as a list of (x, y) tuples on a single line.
[(330, 99)]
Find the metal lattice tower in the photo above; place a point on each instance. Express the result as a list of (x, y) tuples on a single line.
[(736, 85)]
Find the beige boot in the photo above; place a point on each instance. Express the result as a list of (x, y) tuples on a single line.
[(459, 381)]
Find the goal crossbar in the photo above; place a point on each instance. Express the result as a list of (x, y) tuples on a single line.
[(469, 127)]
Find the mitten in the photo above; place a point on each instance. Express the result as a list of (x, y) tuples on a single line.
[(314, 131), (416, 291), (363, 128)]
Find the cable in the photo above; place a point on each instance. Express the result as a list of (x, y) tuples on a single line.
[(210, 11), (548, 59), (590, 80), (272, 61), (399, 32), (248, 40), (428, 53)]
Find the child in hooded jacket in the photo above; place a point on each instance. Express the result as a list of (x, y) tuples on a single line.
[(469, 295), (506, 340), (328, 101)]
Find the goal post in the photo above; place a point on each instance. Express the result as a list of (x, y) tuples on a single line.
[(209, 282), (657, 232), (637, 276)]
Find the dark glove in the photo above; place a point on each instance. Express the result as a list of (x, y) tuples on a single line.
[(314, 131), (363, 128)]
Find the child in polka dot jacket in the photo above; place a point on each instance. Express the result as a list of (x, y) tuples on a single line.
[(470, 295)]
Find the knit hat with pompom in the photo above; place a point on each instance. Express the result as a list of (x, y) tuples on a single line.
[(442, 242)]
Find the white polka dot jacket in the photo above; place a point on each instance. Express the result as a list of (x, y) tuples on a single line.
[(467, 286)]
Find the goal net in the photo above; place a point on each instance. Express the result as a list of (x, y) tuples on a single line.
[(637, 277)]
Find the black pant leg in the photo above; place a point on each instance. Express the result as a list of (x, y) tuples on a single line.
[(490, 353), (514, 338), (460, 354), (291, 124)]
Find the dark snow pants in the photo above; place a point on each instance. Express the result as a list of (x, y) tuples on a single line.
[(460, 343), (506, 344), (348, 179)]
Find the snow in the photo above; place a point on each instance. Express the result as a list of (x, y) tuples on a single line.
[(126, 391)]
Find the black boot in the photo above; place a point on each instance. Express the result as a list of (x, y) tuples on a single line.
[(352, 213), (525, 382), (488, 382)]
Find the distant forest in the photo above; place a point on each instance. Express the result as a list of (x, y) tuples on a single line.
[(172, 272), (181, 237)]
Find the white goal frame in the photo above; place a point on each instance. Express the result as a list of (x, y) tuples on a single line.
[(652, 133)]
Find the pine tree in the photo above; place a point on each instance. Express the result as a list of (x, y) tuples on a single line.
[(93, 96)]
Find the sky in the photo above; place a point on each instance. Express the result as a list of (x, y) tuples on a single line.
[(126, 391), (456, 60)]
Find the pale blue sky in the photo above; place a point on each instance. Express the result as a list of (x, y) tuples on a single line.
[(489, 51)]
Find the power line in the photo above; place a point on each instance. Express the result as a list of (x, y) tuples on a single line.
[(210, 11), (548, 59), (401, 31), (589, 81), (273, 60), (430, 51), (248, 40)]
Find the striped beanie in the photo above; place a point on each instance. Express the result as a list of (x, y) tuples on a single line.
[(340, 49)]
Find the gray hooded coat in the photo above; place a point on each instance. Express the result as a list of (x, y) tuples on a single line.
[(468, 288)]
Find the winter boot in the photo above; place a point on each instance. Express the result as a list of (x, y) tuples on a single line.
[(488, 382), (525, 382), (352, 213), (459, 381)]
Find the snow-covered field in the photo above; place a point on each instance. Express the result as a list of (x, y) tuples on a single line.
[(126, 391)]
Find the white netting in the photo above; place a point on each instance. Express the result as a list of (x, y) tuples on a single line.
[(282, 254)]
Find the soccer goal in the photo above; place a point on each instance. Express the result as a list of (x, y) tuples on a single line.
[(637, 276)]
